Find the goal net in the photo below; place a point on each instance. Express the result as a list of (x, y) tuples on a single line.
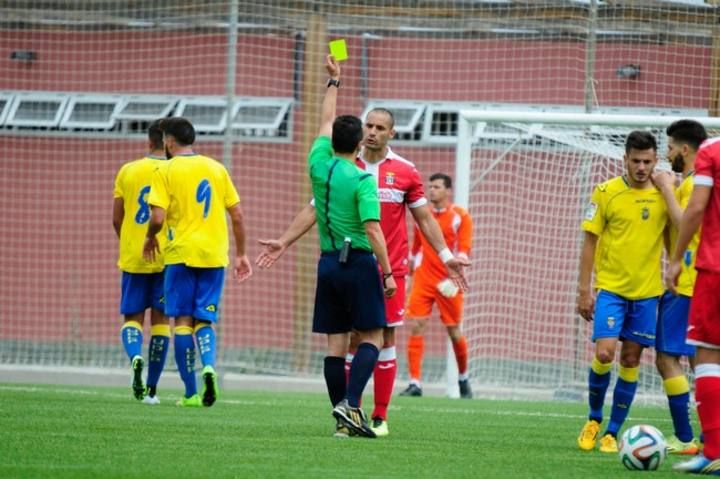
[(526, 178)]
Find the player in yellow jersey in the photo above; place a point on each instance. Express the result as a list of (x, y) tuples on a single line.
[(624, 225), (684, 139), (191, 194), (142, 281)]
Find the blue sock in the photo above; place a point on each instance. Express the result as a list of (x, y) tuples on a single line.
[(361, 369), (185, 358), (679, 411), (597, 388), (334, 371), (157, 353), (622, 400), (205, 335), (131, 335)]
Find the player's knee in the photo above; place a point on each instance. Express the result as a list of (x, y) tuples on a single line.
[(605, 355)]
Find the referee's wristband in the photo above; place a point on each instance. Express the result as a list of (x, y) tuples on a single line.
[(445, 255), (385, 277)]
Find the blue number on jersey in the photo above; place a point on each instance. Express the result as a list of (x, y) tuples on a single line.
[(143, 214), (203, 195)]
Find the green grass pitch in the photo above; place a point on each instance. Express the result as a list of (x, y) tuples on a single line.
[(80, 432)]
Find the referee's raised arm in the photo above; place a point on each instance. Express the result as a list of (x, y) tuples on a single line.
[(328, 106)]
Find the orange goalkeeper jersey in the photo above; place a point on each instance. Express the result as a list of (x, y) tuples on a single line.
[(456, 226)]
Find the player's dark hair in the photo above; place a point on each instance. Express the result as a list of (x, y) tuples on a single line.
[(347, 134), (689, 132), (640, 140), (180, 129), (442, 176), (387, 112), (155, 135)]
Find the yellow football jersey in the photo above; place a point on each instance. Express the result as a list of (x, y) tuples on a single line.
[(686, 281), (629, 223), (132, 184), (195, 191)]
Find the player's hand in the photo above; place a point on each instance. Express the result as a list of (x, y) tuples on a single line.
[(272, 250), (242, 269), (151, 248), (455, 268), (663, 179), (389, 286), (671, 276), (333, 67), (586, 305)]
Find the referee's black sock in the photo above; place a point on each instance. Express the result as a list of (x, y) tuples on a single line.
[(334, 370), (361, 369)]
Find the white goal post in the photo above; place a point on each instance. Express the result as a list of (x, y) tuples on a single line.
[(525, 178)]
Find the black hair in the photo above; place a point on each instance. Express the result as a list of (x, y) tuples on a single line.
[(155, 135), (347, 133), (690, 132), (180, 129), (442, 176), (640, 140)]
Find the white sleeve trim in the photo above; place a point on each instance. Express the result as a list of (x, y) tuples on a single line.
[(416, 204), (702, 180)]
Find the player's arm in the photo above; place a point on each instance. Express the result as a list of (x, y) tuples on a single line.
[(242, 269), (665, 182), (118, 214), (430, 229), (585, 298), (691, 220), (151, 246), (274, 248), (377, 243), (329, 101)]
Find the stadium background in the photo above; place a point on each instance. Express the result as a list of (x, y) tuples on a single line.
[(58, 280)]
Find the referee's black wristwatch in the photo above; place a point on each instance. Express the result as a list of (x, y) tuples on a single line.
[(385, 278), (333, 82)]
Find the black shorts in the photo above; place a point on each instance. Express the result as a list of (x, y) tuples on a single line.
[(349, 295)]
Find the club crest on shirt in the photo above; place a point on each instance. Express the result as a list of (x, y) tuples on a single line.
[(610, 321), (645, 213), (389, 178)]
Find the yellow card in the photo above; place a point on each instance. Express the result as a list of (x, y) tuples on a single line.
[(338, 49)]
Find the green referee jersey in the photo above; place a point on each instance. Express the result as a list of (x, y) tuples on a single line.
[(345, 197)]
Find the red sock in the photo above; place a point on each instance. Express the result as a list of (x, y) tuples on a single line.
[(384, 381), (348, 361), (461, 354), (707, 395), (415, 352)]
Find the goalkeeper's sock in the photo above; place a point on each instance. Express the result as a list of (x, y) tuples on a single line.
[(384, 381), (131, 335), (157, 353), (461, 354), (415, 352), (205, 335), (678, 393), (598, 382), (707, 390), (334, 371), (360, 372), (623, 396), (185, 358)]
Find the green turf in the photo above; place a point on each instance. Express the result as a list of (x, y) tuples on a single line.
[(60, 431)]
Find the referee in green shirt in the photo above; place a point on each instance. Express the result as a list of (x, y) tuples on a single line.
[(349, 294)]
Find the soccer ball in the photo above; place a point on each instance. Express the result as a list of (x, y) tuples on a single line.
[(642, 448)]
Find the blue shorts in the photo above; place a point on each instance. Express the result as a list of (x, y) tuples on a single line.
[(348, 296), (672, 325), (617, 317), (193, 291), (141, 291)]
